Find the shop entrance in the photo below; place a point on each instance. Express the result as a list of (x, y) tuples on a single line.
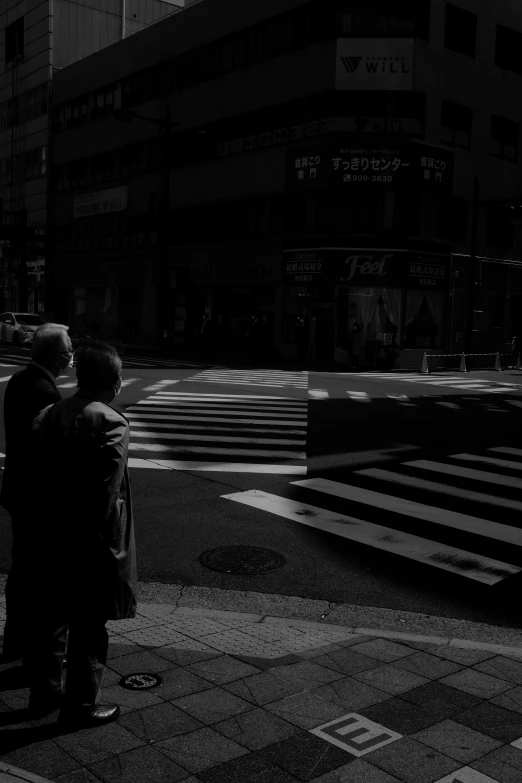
[(322, 336)]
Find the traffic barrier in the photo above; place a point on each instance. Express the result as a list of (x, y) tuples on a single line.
[(463, 367)]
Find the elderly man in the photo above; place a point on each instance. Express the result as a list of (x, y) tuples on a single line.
[(80, 540), (27, 393)]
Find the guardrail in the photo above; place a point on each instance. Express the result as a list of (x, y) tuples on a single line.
[(463, 367)]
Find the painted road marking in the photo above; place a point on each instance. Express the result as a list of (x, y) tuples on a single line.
[(68, 385), (150, 421), (466, 775), (5, 378), (356, 734), (516, 403), (274, 378), (318, 394), (476, 475), (507, 450), (259, 414), (8, 365), (226, 404), (219, 467), (222, 420), (458, 561), (215, 450), (359, 396), (500, 463), (218, 438), (434, 486), (233, 397), (409, 508), (449, 405), (159, 385)]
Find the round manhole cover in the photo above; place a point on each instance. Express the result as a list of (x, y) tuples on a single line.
[(140, 681), (246, 560)]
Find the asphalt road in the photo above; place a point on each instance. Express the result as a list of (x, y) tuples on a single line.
[(356, 423)]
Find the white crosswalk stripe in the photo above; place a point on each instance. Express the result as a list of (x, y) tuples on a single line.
[(318, 394), (455, 381), (187, 431), (469, 540), (273, 378)]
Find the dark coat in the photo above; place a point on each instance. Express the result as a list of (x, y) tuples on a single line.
[(27, 393), (81, 531)]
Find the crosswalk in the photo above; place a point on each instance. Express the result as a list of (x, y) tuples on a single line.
[(402, 400), (218, 432), (441, 513), (273, 378), (129, 361), (454, 381)]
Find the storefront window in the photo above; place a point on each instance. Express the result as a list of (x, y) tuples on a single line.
[(374, 318), (423, 319)]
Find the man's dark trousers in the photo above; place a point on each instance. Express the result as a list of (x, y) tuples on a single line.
[(87, 647), (15, 587)]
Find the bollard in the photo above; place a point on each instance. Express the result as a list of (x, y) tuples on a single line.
[(463, 367), (424, 366), (497, 362)]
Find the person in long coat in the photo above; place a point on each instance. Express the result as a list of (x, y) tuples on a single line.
[(80, 545), (27, 393)]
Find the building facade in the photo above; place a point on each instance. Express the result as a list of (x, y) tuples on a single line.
[(37, 38), (309, 161)]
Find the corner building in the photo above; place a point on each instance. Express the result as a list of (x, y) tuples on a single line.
[(295, 159)]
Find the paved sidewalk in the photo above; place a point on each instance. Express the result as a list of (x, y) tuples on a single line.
[(251, 698)]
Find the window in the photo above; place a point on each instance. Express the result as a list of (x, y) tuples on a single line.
[(452, 218), (461, 30), (508, 49), (499, 227), (402, 18), (504, 138), (456, 122), (14, 40)]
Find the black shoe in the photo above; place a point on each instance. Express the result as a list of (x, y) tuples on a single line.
[(41, 706), (98, 716)]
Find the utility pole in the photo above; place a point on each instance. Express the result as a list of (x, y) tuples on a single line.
[(468, 346)]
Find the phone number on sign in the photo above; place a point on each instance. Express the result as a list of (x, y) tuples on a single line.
[(366, 178)]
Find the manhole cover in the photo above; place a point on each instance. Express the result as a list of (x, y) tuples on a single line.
[(140, 681), (249, 560)]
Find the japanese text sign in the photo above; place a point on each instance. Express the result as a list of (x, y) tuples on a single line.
[(377, 166)]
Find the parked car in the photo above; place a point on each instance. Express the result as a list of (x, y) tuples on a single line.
[(19, 328)]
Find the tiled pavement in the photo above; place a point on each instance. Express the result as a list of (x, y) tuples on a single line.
[(254, 699)]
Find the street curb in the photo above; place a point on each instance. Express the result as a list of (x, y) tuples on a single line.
[(311, 613), (10, 774)]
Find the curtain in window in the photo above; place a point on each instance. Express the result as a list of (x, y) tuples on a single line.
[(435, 305), (414, 301), (368, 301), (391, 299)]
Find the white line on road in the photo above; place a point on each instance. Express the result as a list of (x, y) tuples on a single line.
[(449, 405), (173, 427), (516, 403), (473, 566), (147, 415), (476, 475), (215, 450), (225, 404), (500, 463), (507, 450), (219, 467), (159, 385), (217, 438), (68, 385), (152, 405), (434, 486), (233, 397), (5, 378), (419, 511), (318, 394), (359, 396)]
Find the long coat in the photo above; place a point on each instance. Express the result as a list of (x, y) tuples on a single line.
[(26, 394), (81, 530)]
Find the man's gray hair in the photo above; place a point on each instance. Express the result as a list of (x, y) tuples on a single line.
[(47, 341)]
